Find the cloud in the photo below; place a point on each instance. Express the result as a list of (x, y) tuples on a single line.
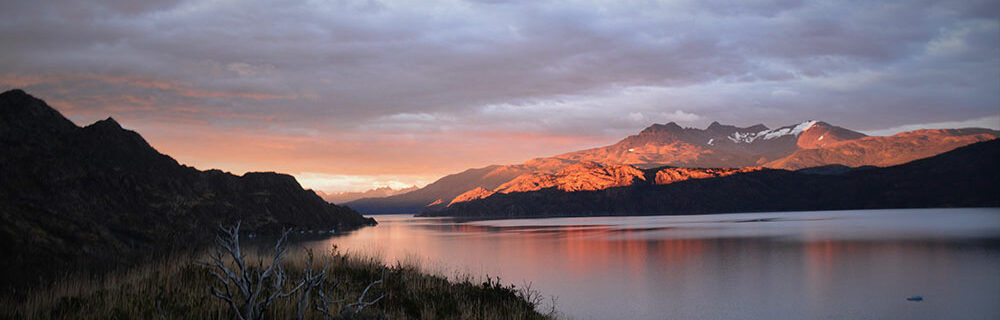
[(415, 71), (990, 122)]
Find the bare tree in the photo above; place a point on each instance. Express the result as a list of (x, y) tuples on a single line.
[(251, 291), (311, 280), (248, 292), (324, 299)]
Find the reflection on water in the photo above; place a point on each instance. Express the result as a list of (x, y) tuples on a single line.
[(815, 265)]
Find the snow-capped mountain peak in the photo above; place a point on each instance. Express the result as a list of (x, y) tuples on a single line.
[(750, 137)]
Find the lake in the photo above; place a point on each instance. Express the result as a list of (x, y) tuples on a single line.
[(860, 264)]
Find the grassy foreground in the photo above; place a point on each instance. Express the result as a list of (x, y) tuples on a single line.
[(178, 288)]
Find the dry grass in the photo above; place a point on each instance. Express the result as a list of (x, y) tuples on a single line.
[(177, 288)]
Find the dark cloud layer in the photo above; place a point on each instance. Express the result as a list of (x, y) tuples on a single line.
[(560, 68)]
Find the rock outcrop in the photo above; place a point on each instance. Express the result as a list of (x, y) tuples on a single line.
[(474, 194), (671, 175), (592, 176), (581, 176)]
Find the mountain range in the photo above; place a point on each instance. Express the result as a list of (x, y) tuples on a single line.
[(75, 197), (964, 177), (340, 197), (803, 145)]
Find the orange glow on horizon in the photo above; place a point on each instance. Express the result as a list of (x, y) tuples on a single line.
[(377, 157)]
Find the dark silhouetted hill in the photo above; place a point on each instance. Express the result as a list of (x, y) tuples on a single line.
[(98, 196)]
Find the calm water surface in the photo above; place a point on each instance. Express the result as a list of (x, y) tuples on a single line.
[(789, 265)]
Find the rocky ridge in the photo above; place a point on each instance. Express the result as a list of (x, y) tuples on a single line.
[(592, 176)]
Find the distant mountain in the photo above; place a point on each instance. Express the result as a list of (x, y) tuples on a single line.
[(806, 144), (73, 197), (441, 192), (341, 197), (965, 177), (716, 146)]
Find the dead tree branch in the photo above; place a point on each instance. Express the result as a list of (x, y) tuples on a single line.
[(248, 292), (361, 304)]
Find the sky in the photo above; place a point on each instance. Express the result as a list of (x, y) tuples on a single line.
[(350, 95)]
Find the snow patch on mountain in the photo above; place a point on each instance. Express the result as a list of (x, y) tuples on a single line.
[(750, 137)]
